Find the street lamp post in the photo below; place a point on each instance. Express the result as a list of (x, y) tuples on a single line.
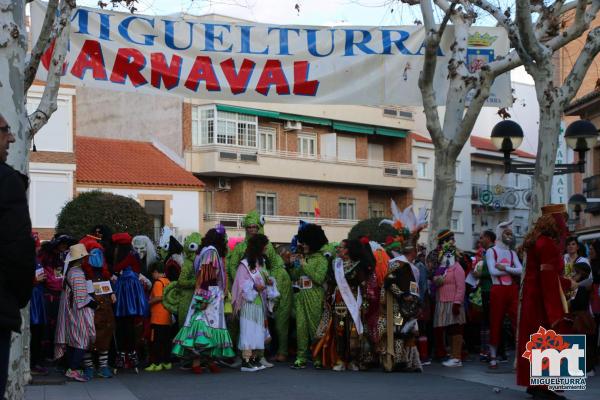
[(578, 202), (581, 136)]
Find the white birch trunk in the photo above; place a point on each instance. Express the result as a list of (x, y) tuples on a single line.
[(444, 189), (13, 47)]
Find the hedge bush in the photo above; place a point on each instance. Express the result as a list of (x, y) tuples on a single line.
[(119, 213), (371, 228)]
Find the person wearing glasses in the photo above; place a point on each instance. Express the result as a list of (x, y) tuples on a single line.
[(17, 250)]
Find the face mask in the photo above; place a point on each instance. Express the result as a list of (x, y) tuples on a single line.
[(508, 240), (141, 250)]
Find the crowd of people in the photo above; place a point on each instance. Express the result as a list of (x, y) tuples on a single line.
[(111, 301)]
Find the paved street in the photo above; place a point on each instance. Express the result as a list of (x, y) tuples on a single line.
[(470, 382)]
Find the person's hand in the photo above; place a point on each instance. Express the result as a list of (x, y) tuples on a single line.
[(476, 273), (41, 277), (259, 288), (438, 280), (501, 267), (113, 298), (456, 308), (114, 278)]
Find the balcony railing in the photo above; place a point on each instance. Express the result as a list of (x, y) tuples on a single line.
[(249, 155), (236, 220), (592, 189)]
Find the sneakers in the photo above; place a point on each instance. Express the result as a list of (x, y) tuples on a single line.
[(493, 364), (105, 372), (89, 373), (76, 375), (339, 367), (154, 368), (353, 367), (248, 366), (166, 366), (426, 362), (263, 361), (452, 363), (257, 364)]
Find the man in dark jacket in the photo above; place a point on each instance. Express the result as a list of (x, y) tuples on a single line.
[(17, 250)]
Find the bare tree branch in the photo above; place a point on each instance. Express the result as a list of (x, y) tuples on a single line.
[(48, 104), (577, 74), (583, 18), (41, 44), (527, 34)]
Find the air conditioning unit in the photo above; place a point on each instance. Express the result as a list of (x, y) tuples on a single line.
[(292, 126), (223, 184)]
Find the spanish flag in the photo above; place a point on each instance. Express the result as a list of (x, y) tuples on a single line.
[(317, 209)]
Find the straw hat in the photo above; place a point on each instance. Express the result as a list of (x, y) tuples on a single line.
[(77, 252), (554, 209)]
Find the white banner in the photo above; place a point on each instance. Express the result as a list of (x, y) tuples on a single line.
[(198, 57)]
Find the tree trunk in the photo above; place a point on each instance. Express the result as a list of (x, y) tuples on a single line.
[(548, 133), (444, 189), (13, 47)]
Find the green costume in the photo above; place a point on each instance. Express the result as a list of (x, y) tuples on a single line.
[(177, 297), (309, 302), (276, 269)]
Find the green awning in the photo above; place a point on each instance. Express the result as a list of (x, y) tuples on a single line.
[(336, 125), (355, 128), (306, 118), (248, 111), (399, 133)]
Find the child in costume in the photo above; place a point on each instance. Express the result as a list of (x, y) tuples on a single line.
[(250, 303), (132, 302), (160, 320), (204, 333), (75, 330), (96, 270), (449, 311)]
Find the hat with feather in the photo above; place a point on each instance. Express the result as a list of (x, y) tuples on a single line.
[(408, 225)]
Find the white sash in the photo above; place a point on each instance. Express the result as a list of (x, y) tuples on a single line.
[(352, 303)]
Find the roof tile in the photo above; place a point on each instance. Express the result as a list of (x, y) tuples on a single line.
[(127, 162)]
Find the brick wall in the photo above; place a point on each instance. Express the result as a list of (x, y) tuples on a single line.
[(52, 157), (186, 125)]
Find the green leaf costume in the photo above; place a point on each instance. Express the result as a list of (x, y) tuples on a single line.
[(276, 269), (309, 302), (177, 297)]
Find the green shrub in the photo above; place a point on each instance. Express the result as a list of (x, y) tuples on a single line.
[(371, 228), (119, 213)]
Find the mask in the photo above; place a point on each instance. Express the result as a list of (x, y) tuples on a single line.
[(508, 239), (140, 249), (448, 260)]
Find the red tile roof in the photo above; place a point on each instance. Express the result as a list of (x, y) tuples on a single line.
[(127, 162), (419, 138), (482, 143)]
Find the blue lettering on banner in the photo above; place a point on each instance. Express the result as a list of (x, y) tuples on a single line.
[(245, 41), (170, 35), (387, 41), (209, 38), (283, 38), (311, 40), (362, 44), (124, 30)]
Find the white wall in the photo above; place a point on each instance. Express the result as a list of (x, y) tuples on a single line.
[(57, 134), (51, 187), (185, 205)]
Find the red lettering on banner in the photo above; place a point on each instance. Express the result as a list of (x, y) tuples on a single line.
[(202, 70), (238, 82), (169, 74), (128, 63), (90, 57), (272, 74), (302, 86)]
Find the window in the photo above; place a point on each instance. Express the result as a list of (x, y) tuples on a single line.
[(307, 205), (346, 148), (156, 210), (375, 152), (422, 167), (395, 112), (209, 198), (307, 145), (231, 128), (456, 221), (268, 139), (266, 203), (376, 210), (518, 229), (347, 208)]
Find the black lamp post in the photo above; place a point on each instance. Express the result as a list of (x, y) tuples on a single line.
[(577, 203), (580, 135)]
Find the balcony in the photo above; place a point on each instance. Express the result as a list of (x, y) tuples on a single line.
[(591, 188), (218, 160), (281, 228)]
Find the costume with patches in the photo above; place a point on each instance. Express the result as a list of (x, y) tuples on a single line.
[(177, 297), (204, 330), (276, 269)]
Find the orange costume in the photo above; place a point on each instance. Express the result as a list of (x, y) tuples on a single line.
[(543, 285)]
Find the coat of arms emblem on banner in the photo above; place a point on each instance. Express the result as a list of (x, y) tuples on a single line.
[(479, 51)]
